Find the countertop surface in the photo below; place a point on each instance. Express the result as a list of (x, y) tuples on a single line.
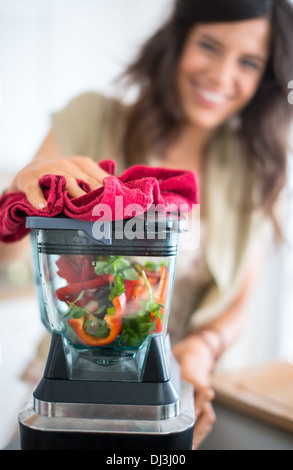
[(264, 392)]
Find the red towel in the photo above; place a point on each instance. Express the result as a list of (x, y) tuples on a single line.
[(139, 185)]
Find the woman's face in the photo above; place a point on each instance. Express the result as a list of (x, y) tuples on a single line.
[(220, 69)]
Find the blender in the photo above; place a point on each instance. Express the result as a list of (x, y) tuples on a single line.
[(110, 380)]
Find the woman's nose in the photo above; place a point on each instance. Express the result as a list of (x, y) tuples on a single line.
[(222, 74)]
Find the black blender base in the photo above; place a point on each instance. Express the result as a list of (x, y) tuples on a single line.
[(155, 414), (173, 433), (43, 440)]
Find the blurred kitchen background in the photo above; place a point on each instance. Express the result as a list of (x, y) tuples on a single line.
[(50, 51)]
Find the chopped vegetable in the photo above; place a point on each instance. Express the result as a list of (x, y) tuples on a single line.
[(67, 269), (112, 299), (113, 321), (116, 265), (72, 290), (162, 287)]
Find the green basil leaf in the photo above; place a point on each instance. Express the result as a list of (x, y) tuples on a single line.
[(121, 264), (151, 266), (102, 330), (77, 312), (130, 274), (118, 287), (79, 297), (101, 267)]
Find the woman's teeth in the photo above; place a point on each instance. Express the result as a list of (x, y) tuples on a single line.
[(212, 97)]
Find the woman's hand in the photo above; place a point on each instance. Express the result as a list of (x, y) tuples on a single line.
[(72, 168), (197, 362)]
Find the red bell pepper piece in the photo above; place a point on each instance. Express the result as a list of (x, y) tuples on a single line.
[(160, 298), (74, 268), (114, 323), (159, 325), (129, 285), (88, 270), (136, 290), (160, 294), (139, 289), (72, 291), (67, 270)]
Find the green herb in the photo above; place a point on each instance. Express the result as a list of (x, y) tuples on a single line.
[(75, 311), (103, 267), (118, 288), (149, 265), (115, 265), (154, 307), (95, 327), (135, 329), (137, 267), (147, 284), (103, 330), (130, 274), (79, 297), (151, 306)]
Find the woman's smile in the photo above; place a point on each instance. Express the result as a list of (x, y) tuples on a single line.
[(207, 97)]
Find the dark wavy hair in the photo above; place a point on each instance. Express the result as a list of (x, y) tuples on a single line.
[(156, 115)]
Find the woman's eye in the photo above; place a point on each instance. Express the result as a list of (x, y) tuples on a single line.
[(207, 46), (249, 64)]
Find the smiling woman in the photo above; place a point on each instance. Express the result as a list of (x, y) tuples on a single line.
[(246, 43), (219, 70), (210, 62)]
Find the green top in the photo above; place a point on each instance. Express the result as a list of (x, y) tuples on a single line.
[(93, 125)]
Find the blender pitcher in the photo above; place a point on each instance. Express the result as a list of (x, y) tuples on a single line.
[(105, 290)]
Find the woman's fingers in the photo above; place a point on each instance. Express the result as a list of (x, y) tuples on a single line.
[(203, 395), (35, 195), (72, 168), (80, 168), (28, 183), (203, 425), (92, 173), (93, 183), (204, 413), (73, 187), (196, 362)]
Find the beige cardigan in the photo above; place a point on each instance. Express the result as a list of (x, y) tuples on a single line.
[(93, 125)]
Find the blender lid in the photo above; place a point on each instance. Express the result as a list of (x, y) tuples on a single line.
[(153, 222), (65, 223), (151, 233)]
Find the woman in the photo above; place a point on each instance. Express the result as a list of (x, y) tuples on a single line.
[(212, 98)]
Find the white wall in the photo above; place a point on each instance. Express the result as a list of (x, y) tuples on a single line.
[(51, 50)]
